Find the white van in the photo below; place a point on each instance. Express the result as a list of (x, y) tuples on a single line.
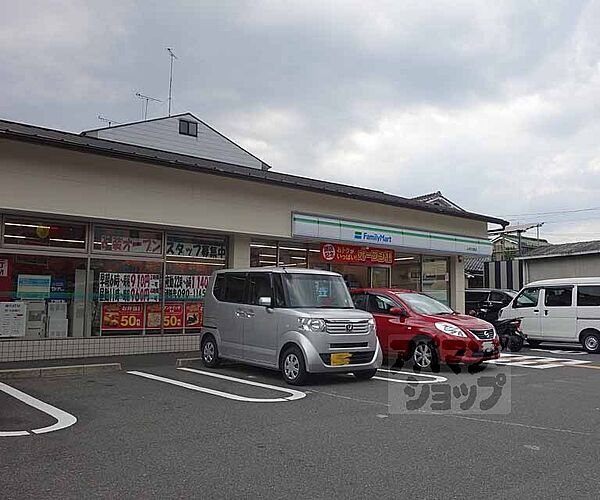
[(559, 310)]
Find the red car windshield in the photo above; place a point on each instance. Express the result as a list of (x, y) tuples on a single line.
[(422, 304)]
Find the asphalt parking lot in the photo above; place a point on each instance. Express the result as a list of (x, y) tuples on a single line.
[(160, 431)]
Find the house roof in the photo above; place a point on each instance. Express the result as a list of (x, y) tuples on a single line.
[(437, 197), (563, 250), (56, 138), (180, 115), (475, 264)]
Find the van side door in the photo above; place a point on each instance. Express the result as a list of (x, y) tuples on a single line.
[(526, 306), (260, 326), (559, 314), (230, 317)]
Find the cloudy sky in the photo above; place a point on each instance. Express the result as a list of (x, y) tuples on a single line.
[(495, 103)]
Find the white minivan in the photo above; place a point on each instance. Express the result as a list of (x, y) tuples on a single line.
[(559, 310)]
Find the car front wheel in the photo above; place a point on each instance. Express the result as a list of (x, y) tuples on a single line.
[(293, 367), (425, 356)]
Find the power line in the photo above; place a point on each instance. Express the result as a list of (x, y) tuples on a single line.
[(557, 212)]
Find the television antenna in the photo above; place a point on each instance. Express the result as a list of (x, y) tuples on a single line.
[(147, 99), (172, 56), (108, 120)]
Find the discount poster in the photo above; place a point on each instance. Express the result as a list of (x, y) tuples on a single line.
[(122, 316)]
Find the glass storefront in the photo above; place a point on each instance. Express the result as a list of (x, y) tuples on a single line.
[(406, 272), (81, 280), (436, 282)]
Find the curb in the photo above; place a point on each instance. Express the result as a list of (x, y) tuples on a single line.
[(186, 361), (59, 371)]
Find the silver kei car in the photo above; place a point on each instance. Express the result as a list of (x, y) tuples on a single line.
[(298, 321)]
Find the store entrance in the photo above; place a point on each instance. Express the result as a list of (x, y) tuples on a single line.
[(354, 276)]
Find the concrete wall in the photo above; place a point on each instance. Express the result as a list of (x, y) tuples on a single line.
[(56, 181), (581, 266)]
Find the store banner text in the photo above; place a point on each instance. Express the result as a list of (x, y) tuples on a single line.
[(349, 254)]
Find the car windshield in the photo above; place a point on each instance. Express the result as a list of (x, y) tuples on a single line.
[(316, 290), (422, 304)]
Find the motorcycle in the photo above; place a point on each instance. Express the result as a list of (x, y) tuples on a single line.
[(509, 331)]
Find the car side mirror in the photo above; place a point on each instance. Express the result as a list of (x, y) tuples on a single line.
[(398, 311), (264, 301)]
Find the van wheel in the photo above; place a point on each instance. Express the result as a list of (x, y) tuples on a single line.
[(534, 343), (591, 342), (210, 352), (425, 356), (293, 366), (365, 374)]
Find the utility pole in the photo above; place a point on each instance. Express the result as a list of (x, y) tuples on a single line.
[(172, 56)]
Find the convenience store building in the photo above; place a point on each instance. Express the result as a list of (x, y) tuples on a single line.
[(107, 238)]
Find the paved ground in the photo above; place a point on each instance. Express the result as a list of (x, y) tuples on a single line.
[(144, 437)]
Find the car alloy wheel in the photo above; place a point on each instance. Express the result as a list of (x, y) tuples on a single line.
[(423, 355), (291, 366), (209, 351)]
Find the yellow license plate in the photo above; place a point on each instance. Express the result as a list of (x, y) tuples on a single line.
[(340, 358)]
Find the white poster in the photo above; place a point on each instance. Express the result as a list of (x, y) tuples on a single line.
[(3, 268), (13, 319), (128, 287), (180, 286)]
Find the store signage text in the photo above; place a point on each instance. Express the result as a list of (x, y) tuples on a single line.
[(128, 287), (127, 244), (180, 286), (200, 250), (348, 254), (13, 319), (372, 237)]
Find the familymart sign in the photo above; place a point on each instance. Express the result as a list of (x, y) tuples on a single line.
[(331, 229)]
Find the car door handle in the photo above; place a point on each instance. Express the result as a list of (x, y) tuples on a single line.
[(240, 314), (546, 312), (536, 311), (249, 314)]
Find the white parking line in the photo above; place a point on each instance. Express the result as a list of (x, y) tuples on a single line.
[(558, 351), (433, 379), (63, 419), (294, 395), (538, 362)]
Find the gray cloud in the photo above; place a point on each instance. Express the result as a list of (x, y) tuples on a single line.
[(494, 103)]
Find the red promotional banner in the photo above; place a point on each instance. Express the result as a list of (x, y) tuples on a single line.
[(193, 314), (348, 254), (122, 316), (171, 319)]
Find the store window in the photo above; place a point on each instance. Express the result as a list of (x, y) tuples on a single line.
[(406, 272), (185, 287), (354, 276), (380, 277), (314, 257), (436, 278), (293, 255), (40, 233), (42, 296), (128, 241), (263, 253), (126, 297)]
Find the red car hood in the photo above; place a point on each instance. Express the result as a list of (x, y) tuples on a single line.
[(463, 321)]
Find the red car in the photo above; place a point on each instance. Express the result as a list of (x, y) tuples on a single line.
[(416, 326)]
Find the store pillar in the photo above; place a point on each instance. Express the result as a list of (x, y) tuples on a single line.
[(457, 283), (239, 251)]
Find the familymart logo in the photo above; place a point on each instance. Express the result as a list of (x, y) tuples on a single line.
[(374, 237)]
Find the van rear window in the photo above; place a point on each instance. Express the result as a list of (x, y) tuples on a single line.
[(588, 296)]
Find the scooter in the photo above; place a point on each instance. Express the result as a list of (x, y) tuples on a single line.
[(509, 331)]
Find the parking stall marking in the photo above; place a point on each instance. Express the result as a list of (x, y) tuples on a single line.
[(63, 419), (559, 351), (294, 394), (538, 362), (431, 379)]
